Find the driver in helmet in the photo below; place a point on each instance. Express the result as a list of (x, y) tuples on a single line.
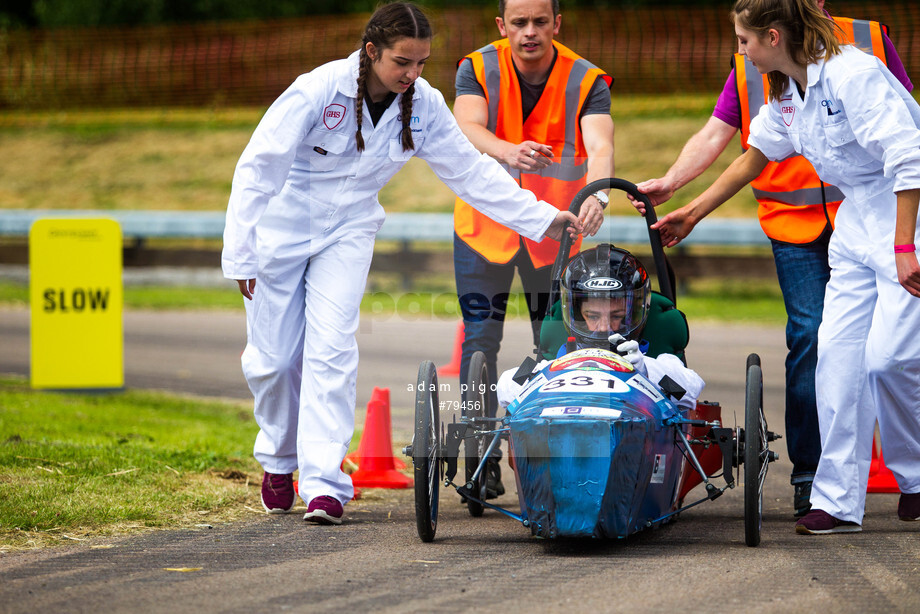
[(606, 295), (605, 300)]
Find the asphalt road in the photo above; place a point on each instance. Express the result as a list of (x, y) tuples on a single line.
[(375, 561)]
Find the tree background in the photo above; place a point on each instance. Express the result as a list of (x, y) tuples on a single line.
[(70, 13)]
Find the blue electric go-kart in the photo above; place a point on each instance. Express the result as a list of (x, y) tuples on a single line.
[(597, 449)]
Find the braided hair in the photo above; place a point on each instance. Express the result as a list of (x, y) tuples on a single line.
[(387, 25)]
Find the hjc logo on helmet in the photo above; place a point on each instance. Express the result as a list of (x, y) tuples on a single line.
[(602, 283)]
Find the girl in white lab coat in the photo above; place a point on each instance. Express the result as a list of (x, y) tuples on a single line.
[(299, 238), (843, 110)]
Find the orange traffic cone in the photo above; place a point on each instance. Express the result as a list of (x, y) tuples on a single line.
[(379, 395), (374, 458), (880, 477), (452, 369)]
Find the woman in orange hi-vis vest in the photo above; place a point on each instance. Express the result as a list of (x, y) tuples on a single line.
[(544, 113), (796, 210)]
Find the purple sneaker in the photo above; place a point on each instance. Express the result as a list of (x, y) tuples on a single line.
[(324, 510), (278, 492), (909, 506), (819, 522)]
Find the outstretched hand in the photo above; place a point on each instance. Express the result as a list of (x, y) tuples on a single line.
[(591, 216), (562, 218), (674, 226), (658, 191)]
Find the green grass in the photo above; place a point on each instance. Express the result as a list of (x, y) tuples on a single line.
[(733, 300), (147, 297), (180, 297), (74, 465)]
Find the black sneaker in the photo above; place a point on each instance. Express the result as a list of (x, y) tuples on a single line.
[(494, 486), (801, 500), (909, 506)]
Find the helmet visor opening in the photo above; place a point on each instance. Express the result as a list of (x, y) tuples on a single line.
[(598, 317)]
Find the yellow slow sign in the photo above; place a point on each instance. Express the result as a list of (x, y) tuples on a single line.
[(75, 292)]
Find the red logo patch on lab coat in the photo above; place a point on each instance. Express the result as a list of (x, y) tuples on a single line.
[(333, 115), (788, 110)]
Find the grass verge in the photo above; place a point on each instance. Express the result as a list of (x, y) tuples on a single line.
[(76, 465)]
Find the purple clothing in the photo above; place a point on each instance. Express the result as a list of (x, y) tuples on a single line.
[(728, 106)]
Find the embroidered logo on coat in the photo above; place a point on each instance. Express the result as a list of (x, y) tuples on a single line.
[(788, 110), (829, 105), (333, 115)]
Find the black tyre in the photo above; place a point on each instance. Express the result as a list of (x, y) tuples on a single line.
[(475, 399), (755, 451), (426, 451)]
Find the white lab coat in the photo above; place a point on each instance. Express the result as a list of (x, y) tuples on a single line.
[(858, 126), (301, 220)]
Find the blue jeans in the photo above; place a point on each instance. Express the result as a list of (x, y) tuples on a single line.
[(803, 273), (483, 289)]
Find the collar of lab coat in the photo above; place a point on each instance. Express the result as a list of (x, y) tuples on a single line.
[(348, 80), (813, 72)]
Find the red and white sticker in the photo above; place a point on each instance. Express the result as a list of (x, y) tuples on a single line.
[(333, 115)]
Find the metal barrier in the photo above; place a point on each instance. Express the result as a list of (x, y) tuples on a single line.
[(141, 225)]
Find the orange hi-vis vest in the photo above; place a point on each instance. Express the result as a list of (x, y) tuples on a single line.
[(553, 121), (795, 206)]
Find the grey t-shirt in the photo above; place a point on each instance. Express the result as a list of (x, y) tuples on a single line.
[(597, 102)]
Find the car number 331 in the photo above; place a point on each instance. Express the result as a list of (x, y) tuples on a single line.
[(585, 382)]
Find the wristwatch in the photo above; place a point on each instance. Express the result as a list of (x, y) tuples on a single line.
[(602, 199)]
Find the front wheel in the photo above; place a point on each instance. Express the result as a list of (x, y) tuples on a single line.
[(755, 451), (475, 399), (426, 449)]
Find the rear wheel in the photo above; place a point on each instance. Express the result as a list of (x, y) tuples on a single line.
[(755, 451), (426, 451), (475, 399)]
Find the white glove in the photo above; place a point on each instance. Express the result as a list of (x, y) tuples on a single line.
[(629, 349)]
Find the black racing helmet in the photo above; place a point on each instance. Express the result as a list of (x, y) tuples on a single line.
[(610, 273)]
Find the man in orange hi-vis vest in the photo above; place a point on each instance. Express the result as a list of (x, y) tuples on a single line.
[(796, 210), (544, 113)]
